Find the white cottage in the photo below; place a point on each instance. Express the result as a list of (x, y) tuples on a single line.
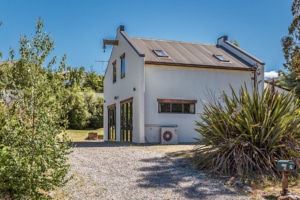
[(155, 89)]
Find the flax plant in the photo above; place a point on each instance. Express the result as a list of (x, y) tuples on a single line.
[(245, 133)]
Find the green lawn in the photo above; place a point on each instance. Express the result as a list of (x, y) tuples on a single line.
[(80, 135)]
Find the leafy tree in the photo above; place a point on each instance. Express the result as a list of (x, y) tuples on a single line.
[(83, 108), (291, 42), (77, 109), (33, 145), (74, 101), (95, 108), (75, 76), (246, 133), (3, 74), (94, 81), (291, 49), (84, 80)]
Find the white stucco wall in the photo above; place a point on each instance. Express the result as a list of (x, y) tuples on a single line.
[(123, 88), (188, 84)]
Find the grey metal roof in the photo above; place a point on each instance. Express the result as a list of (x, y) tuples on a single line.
[(188, 54)]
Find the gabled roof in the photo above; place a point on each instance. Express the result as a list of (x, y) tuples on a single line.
[(223, 55), (188, 54)]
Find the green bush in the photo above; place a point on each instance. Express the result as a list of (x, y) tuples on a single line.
[(244, 134)]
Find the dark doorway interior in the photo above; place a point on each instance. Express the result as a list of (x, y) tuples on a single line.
[(126, 121), (112, 123)]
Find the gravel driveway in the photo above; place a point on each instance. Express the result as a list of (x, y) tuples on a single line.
[(114, 171)]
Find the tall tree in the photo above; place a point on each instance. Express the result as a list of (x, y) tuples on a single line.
[(291, 43), (291, 50), (33, 145)]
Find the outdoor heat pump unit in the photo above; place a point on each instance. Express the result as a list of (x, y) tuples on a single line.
[(169, 135)]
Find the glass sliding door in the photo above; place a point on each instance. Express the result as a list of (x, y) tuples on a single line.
[(126, 121), (112, 123)]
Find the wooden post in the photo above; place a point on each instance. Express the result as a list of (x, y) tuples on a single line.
[(285, 183)]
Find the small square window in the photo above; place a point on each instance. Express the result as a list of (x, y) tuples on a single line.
[(221, 58), (160, 53), (176, 106)]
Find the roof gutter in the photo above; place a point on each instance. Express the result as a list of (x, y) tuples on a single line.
[(199, 66)]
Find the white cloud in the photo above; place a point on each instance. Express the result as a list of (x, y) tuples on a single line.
[(271, 74)]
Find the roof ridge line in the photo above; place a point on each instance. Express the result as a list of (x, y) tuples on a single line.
[(177, 41)]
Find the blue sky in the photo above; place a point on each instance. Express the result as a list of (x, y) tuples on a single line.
[(78, 27)]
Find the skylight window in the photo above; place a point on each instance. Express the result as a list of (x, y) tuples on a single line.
[(221, 58), (160, 53)]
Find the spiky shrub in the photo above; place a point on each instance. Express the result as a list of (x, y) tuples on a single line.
[(245, 133)]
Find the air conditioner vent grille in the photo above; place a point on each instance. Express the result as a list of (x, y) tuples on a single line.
[(169, 135)]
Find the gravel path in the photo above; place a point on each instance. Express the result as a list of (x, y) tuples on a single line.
[(133, 172)]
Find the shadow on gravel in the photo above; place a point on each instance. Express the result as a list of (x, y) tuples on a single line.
[(178, 175)]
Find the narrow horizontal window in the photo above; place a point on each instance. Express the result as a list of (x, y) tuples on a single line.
[(221, 58), (176, 106), (160, 53), (176, 101)]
